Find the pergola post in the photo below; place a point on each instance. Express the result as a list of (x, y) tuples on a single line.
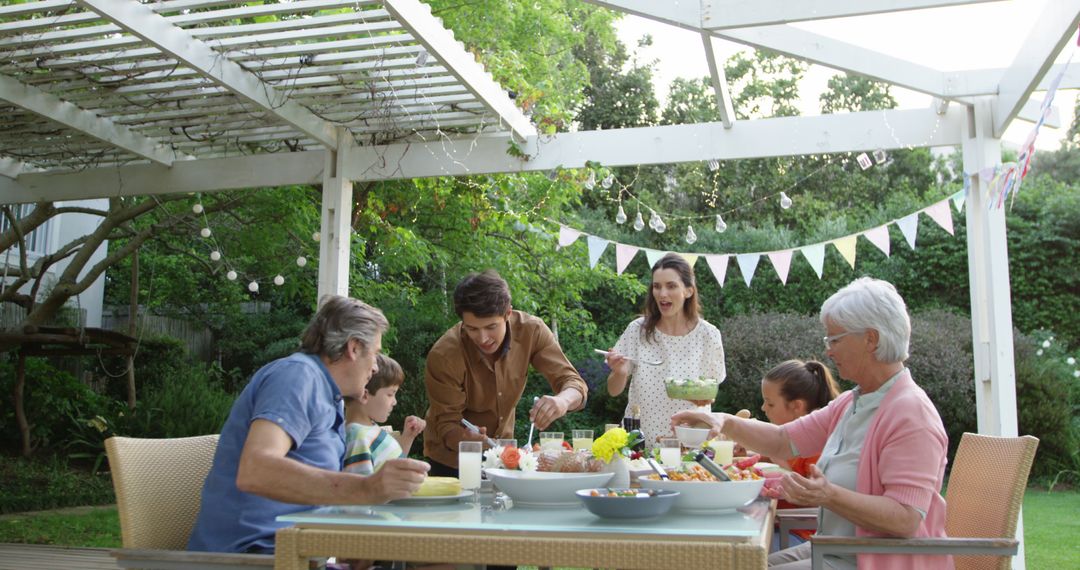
[(991, 299), (335, 237)]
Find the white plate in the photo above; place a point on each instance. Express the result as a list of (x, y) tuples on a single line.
[(437, 500)]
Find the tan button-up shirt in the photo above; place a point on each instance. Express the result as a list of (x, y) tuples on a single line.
[(462, 382)]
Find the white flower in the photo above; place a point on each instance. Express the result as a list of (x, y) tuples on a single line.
[(1038, 352), (491, 458), (1070, 361), (527, 462), (1046, 344)]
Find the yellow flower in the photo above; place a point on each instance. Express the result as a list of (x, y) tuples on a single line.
[(607, 445)]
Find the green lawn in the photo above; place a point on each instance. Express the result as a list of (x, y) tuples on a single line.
[(1050, 527)]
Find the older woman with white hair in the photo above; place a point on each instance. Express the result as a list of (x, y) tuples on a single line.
[(882, 444)]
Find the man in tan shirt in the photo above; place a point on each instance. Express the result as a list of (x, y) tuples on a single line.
[(477, 371)]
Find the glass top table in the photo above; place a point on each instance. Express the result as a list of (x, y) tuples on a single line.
[(483, 532)]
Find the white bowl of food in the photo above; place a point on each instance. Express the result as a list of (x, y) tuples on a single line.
[(544, 489), (691, 436), (707, 497)]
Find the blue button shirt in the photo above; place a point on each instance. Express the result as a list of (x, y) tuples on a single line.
[(298, 394)]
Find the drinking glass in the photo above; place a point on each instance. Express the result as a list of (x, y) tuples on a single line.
[(551, 440), (470, 458), (582, 439), (723, 450), (609, 427), (670, 452), (504, 443)]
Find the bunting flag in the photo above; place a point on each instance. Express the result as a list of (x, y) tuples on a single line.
[(597, 245), (781, 262), (815, 256), (846, 247), (718, 264), (940, 213), (879, 236), (747, 265), (653, 256), (567, 236), (909, 225), (624, 254)]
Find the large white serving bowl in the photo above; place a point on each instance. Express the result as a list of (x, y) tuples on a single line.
[(691, 437), (542, 489), (707, 497)]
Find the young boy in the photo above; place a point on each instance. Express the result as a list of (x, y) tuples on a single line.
[(367, 445)]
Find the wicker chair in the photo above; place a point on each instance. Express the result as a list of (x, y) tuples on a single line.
[(985, 492), (158, 485)]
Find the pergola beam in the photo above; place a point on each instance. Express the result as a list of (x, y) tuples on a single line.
[(728, 14), (12, 168), (719, 82), (416, 17), (486, 154), (137, 19), (1048, 36), (41, 103)]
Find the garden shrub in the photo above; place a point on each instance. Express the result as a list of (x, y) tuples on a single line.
[(39, 484), (1047, 404)]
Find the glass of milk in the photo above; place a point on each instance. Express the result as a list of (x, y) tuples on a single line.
[(470, 457), (670, 452)]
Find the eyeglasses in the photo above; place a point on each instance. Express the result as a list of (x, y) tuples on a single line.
[(831, 340)]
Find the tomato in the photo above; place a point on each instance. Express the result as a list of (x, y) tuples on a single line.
[(566, 445), (748, 462)]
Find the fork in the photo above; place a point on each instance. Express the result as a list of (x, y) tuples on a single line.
[(649, 362)]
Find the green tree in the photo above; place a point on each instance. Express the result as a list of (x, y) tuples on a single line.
[(849, 92)]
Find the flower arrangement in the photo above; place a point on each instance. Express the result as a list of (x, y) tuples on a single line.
[(500, 457), (614, 442)]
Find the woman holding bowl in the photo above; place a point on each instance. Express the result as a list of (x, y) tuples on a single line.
[(882, 444), (670, 332)]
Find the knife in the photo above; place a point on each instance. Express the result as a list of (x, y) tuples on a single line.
[(469, 426)]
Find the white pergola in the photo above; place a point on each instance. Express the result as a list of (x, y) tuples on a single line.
[(106, 98)]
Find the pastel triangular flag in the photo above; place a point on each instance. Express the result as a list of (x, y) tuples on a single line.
[(691, 258), (958, 200), (910, 226), (879, 236), (846, 247), (781, 262), (567, 236), (815, 256), (653, 256), (624, 254), (718, 264), (748, 264), (597, 245), (940, 213)]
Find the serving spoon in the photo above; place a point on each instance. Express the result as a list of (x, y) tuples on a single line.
[(649, 362)]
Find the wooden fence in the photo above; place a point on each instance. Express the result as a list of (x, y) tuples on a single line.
[(197, 338)]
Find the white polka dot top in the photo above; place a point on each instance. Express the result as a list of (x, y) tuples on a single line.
[(698, 353)]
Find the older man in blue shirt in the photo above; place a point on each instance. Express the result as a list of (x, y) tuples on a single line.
[(282, 447)]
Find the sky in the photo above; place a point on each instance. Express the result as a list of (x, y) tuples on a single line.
[(954, 38)]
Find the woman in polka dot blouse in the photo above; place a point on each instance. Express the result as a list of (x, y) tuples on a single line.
[(672, 331)]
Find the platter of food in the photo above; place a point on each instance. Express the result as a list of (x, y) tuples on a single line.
[(693, 389), (701, 493), (627, 503), (545, 489)]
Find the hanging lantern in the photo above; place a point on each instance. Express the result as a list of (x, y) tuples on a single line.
[(279, 280), (253, 287), (231, 275), (205, 232), (215, 255), (197, 208), (620, 218), (639, 224), (721, 225), (691, 237), (301, 261)]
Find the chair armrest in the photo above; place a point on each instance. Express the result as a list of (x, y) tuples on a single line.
[(833, 545), (184, 560), (791, 519)]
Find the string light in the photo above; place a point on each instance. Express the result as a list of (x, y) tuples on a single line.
[(608, 181), (205, 232), (620, 218), (590, 182), (654, 220), (316, 236), (197, 208), (279, 280), (639, 224), (231, 275), (691, 237), (215, 255), (301, 261), (253, 286), (785, 202), (721, 225)]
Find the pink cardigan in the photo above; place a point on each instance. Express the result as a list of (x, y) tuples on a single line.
[(903, 457)]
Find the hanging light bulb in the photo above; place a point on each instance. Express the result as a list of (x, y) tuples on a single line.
[(590, 182), (197, 208), (691, 237), (654, 219), (639, 224), (316, 236), (215, 255), (721, 225), (253, 287), (231, 275), (620, 218), (279, 280), (301, 261), (785, 202), (661, 227), (608, 181), (205, 232), (714, 164)]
